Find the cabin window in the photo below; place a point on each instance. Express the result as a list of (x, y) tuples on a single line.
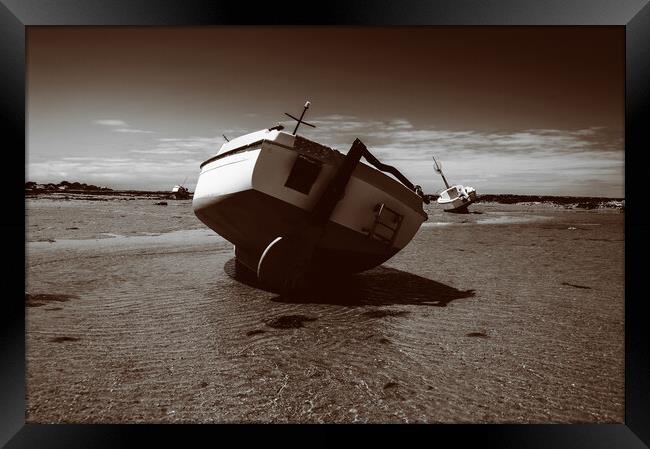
[(303, 174)]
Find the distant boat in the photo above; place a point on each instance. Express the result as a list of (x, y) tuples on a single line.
[(455, 198), (293, 207), (180, 192)]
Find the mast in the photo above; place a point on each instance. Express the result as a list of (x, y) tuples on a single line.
[(438, 168), (300, 120)]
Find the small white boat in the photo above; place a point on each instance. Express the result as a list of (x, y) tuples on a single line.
[(294, 208), (180, 192), (455, 198)]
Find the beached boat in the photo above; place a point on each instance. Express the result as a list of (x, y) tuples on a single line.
[(294, 208), (180, 192), (455, 198)]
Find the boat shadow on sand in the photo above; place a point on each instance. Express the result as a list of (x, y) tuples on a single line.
[(379, 286)]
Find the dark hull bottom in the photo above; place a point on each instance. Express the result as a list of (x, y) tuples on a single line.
[(251, 220), (460, 210)]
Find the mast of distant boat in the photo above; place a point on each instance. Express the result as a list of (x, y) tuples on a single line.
[(438, 168)]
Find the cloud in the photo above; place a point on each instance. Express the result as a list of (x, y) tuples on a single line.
[(203, 143), (399, 140), (341, 124), (170, 150), (142, 171), (587, 161), (96, 159), (124, 127), (201, 147), (110, 122), (131, 130), (399, 124), (553, 161)]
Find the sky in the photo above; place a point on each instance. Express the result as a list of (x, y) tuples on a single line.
[(525, 110)]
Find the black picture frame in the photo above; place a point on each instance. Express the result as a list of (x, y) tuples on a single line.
[(634, 15)]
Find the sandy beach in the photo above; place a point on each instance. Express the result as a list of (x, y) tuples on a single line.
[(137, 312)]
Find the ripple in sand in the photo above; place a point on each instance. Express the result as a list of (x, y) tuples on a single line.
[(63, 339), (38, 300), (289, 321), (584, 287), (511, 219), (110, 240), (477, 334), (384, 313), (491, 220)]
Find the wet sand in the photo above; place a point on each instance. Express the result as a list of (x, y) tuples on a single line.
[(137, 313)]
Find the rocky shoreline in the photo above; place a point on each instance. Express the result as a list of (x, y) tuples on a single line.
[(70, 191), (568, 202)]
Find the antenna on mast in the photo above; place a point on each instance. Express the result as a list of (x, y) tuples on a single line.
[(224, 136), (438, 168), (300, 120)]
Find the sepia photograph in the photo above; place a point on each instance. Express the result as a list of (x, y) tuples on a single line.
[(274, 224)]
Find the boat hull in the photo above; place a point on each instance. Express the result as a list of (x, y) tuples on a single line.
[(244, 198), (340, 249), (457, 203)]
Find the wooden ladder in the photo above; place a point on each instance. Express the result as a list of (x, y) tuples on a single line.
[(385, 219)]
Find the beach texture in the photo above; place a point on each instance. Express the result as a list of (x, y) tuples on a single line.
[(137, 312)]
